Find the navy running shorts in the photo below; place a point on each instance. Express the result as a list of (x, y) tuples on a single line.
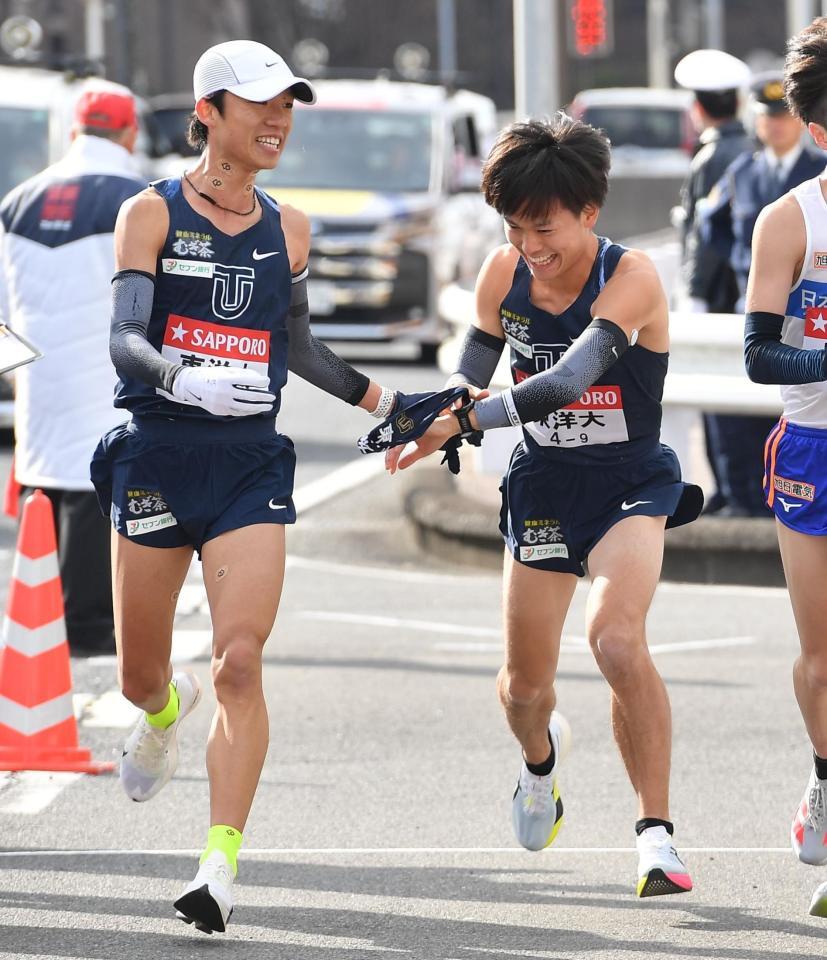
[(554, 513), (795, 473), (165, 483)]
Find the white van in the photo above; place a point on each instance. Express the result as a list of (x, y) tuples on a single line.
[(389, 174)]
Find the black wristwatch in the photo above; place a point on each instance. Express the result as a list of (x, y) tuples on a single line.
[(466, 431)]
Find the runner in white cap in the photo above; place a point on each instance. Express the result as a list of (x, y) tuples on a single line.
[(209, 313)]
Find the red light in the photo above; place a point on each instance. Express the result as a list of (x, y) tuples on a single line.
[(590, 25)]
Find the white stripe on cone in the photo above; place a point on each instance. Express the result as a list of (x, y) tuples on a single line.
[(32, 641), (31, 720), (34, 572)]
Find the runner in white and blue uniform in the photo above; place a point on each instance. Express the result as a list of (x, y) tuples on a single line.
[(587, 324), (209, 311), (786, 343)]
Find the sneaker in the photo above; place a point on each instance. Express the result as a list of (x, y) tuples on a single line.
[(208, 900), (808, 833), (536, 807), (818, 905), (660, 870), (150, 755)]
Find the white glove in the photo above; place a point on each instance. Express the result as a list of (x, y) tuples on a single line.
[(224, 391)]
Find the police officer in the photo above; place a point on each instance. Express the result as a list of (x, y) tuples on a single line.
[(708, 283), (715, 78), (755, 179), (727, 219)]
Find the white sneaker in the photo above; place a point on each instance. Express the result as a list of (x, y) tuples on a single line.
[(536, 807), (150, 755), (818, 905), (208, 900), (808, 833), (660, 870)]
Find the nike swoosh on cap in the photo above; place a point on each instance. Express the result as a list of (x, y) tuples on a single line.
[(264, 256), (636, 503)]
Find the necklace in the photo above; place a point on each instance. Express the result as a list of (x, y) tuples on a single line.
[(215, 203)]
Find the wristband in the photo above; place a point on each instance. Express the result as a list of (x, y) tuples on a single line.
[(385, 404)]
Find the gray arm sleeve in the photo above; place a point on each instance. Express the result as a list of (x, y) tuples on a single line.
[(600, 345), (312, 360), (129, 348), (478, 359)]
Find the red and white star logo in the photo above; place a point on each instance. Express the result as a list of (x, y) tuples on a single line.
[(178, 332)]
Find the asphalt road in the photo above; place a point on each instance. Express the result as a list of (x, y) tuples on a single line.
[(381, 825)]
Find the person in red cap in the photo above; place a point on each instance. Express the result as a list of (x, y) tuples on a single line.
[(57, 260)]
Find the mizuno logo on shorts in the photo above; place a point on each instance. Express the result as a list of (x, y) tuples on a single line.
[(634, 503), (789, 506)]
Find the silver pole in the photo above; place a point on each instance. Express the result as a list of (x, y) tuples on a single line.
[(714, 17), (799, 14), (657, 43), (94, 28), (536, 58), (447, 35)]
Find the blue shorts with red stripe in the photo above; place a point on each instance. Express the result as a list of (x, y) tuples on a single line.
[(795, 477), (166, 483)]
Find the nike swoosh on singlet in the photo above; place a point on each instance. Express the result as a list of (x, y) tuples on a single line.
[(637, 503), (264, 256)]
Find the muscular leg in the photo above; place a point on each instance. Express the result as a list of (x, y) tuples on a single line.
[(535, 603), (145, 586), (243, 574), (625, 566), (805, 567)]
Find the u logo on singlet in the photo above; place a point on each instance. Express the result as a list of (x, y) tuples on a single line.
[(232, 290)]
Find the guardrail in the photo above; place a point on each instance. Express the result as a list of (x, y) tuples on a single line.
[(706, 373)]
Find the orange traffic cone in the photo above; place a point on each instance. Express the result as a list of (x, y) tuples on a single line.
[(37, 722)]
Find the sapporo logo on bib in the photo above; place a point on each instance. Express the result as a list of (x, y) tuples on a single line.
[(597, 417), (197, 343)]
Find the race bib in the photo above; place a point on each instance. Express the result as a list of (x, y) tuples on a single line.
[(597, 417), (197, 343)]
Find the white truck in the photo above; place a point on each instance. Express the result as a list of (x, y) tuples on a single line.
[(389, 174)]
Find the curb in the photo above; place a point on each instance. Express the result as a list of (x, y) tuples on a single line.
[(727, 550)]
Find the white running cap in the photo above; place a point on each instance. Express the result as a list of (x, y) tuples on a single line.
[(711, 70), (249, 70)]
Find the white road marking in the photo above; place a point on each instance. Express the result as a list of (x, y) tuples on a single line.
[(31, 791), (363, 851), (337, 481), (570, 643), (111, 710)]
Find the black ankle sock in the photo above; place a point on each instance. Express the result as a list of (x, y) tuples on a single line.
[(821, 766), (647, 822), (543, 769)]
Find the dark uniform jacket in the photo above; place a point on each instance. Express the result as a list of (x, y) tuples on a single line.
[(707, 274), (747, 186)]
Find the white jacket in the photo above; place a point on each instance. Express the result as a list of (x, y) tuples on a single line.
[(56, 266)]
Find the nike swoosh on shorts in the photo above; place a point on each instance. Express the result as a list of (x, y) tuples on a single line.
[(277, 506), (636, 503)]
